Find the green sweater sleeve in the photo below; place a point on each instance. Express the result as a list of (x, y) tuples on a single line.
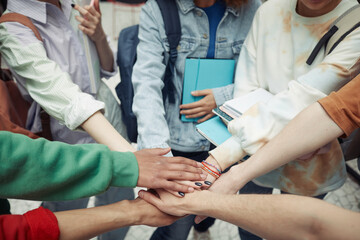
[(43, 170)]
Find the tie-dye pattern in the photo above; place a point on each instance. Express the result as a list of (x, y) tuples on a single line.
[(274, 58)]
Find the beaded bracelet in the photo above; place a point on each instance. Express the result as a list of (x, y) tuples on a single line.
[(209, 170), (219, 171), (215, 175)]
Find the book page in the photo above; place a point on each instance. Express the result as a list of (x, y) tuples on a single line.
[(237, 106)]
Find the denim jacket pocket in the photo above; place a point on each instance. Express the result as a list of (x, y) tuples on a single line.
[(185, 45)]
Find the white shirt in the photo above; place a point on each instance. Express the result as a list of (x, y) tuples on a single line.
[(273, 57)]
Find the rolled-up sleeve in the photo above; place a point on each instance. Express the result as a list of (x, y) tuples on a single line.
[(344, 106), (46, 83)]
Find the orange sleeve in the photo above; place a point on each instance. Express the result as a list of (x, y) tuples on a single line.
[(344, 106)]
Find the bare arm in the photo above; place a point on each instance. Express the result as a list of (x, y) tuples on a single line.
[(269, 216), (308, 131), (88, 223), (107, 134)]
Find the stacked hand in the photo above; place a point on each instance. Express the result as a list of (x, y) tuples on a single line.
[(175, 174), (176, 206)]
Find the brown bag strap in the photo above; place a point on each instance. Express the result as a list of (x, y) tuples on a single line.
[(17, 17)]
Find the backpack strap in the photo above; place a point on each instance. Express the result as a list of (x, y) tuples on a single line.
[(16, 17), (170, 14), (340, 28), (346, 23)]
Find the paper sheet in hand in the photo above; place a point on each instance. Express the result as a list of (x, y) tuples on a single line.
[(92, 58)]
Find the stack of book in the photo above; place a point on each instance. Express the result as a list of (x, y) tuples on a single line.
[(215, 130)]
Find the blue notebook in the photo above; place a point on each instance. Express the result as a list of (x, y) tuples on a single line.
[(203, 74), (214, 130)]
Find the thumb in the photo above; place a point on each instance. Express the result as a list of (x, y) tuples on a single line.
[(199, 219), (159, 151), (149, 197), (200, 92)]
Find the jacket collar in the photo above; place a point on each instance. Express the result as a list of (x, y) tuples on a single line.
[(188, 5)]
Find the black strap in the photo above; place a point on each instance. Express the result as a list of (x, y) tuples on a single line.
[(342, 23), (170, 14), (323, 41)]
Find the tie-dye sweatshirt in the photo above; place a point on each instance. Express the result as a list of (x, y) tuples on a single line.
[(274, 58)]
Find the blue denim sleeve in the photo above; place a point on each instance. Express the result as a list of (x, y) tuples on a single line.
[(222, 94), (147, 80)]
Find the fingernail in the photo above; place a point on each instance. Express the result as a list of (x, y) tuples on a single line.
[(207, 183), (203, 176), (181, 194), (199, 164), (191, 189), (72, 5), (198, 184)]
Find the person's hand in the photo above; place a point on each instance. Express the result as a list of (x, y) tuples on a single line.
[(149, 215), (90, 21), (210, 179), (157, 171), (226, 184), (167, 202), (200, 108)]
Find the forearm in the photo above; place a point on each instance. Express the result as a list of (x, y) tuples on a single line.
[(105, 54), (307, 132), (106, 134), (280, 216), (65, 170), (88, 223)]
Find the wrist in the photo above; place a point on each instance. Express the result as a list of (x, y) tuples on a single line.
[(212, 160), (238, 176), (198, 203), (101, 38), (125, 209)]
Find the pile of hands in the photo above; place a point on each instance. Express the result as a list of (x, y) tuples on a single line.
[(177, 186)]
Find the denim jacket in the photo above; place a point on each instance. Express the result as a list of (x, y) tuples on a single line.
[(159, 124)]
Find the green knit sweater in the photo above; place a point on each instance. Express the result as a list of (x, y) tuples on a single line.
[(43, 170)]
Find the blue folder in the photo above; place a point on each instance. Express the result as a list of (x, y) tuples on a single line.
[(203, 74), (214, 130)]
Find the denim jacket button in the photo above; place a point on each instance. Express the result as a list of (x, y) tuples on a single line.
[(205, 36), (199, 13)]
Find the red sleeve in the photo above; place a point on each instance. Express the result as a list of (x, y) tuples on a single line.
[(38, 224)]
